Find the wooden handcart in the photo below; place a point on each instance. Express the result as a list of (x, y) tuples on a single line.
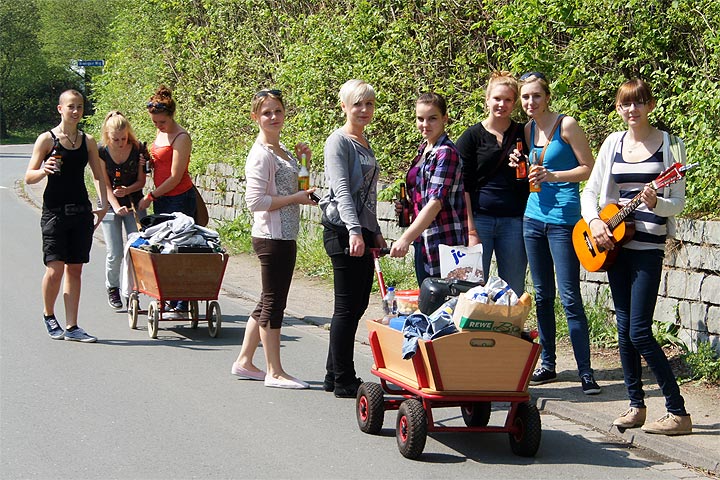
[(195, 277), (470, 370)]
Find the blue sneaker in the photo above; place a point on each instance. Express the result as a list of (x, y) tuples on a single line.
[(79, 335), (53, 327)]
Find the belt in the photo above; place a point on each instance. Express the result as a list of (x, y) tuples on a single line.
[(70, 209)]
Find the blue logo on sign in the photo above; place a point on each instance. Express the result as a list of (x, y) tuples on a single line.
[(457, 255)]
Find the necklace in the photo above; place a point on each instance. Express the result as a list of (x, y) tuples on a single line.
[(72, 142)]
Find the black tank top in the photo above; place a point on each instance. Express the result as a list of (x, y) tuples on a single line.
[(68, 188), (128, 171)]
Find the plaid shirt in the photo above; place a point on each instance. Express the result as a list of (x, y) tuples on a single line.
[(440, 176)]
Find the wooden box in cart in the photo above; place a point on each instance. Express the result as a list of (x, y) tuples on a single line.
[(462, 363)]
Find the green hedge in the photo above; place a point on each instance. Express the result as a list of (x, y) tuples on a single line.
[(216, 54)]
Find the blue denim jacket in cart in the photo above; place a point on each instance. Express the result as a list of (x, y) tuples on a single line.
[(419, 326)]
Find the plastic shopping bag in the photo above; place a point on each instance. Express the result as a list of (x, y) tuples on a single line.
[(462, 263)]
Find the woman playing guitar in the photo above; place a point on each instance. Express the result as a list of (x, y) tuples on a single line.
[(628, 161)]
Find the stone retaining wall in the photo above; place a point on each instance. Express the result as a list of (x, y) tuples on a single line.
[(689, 291)]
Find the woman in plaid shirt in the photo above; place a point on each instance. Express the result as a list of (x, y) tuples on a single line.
[(436, 192)]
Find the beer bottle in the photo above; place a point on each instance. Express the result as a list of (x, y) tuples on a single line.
[(521, 170), (303, 175), (404, 216)]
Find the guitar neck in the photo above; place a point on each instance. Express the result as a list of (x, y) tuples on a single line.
[(623, 213)]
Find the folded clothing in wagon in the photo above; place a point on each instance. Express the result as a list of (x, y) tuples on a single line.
[(175, 233)]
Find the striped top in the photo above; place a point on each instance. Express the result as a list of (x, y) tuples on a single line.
[(650, 229)]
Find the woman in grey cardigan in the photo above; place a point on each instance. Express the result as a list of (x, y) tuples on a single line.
[(350, 228)]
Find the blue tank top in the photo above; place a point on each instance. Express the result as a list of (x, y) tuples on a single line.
[(557, 203)]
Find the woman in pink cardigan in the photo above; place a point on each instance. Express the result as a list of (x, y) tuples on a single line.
[(272, 194)]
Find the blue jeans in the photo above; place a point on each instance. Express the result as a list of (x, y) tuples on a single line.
[(184, 203), (504, 236), (634, 282), (419, 262), (112, 227), (550, 253)]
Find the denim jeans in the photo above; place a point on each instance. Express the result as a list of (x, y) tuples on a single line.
[(634, 281), (419, 262), (550, 253), (184, 203), (504, 236), (112, 227)]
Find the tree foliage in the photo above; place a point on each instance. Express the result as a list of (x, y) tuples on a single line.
[(216, 54)]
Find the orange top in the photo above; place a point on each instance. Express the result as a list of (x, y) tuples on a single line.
[(162, 161)]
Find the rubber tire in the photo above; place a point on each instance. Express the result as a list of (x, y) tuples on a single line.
[(370, 408), (214, 318), (411, 428), (153, 319), (476, 414), (526, 442), (194, 313), (132, 310)]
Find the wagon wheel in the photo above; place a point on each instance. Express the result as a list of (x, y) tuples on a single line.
[(194, 314), (132, 310), (411, 428), (214, 318), (476, 414), (526, 440), (153, 319), (370, 407)]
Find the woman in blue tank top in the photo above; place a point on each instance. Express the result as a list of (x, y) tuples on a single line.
[(550, 215)]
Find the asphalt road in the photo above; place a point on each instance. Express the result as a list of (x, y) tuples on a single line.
[(132, 407)]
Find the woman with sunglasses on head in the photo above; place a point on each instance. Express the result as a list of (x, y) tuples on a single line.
[(436, 191), (492, 189), (551, 213), (170, 153), (626, 164), (350, 228), (272, 194), (124, 159)]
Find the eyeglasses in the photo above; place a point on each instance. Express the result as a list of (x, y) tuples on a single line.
[(527, 75), (628, 105), (157, 105), (266, 92)]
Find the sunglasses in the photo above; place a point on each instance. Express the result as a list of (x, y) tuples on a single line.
[(532, 74), (157, 105), (266, 92)]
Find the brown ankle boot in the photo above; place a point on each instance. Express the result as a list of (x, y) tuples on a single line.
[(670, 424), (632, 418)]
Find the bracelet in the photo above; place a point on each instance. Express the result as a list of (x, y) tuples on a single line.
[(473, 232), (152, 197)]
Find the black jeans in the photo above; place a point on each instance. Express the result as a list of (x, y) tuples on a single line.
[(277, 262), (352, 278)]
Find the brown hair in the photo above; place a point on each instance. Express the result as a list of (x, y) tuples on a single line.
[(116, 122), (634, 90), (435, 99), (502, 78), (161, 101), (260, 97)]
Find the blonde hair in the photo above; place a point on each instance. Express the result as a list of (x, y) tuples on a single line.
[(502, 78), (354, 91), (260, 97), (535, 77), (116, 122)]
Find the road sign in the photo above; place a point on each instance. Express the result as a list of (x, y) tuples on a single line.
[(91, 63)]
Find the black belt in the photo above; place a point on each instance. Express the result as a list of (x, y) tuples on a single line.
[(70, 209)]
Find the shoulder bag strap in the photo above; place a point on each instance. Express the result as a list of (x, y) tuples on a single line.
[(552, 134)]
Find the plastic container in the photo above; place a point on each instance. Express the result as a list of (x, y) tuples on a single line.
[(407, 301)]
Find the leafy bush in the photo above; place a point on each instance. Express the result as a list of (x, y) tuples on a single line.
[(705, 363)]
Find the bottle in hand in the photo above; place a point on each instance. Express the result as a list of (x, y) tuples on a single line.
[(148, 159), (535, 164), (404, 215), (304, 174), (55, 155), (521, 167)]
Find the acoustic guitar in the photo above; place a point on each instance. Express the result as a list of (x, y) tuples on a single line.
[(595, 258)]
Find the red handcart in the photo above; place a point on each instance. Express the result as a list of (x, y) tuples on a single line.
[(195, 277), (468, 369)]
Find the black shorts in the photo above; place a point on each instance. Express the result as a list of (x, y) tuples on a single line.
[(66, 238)]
